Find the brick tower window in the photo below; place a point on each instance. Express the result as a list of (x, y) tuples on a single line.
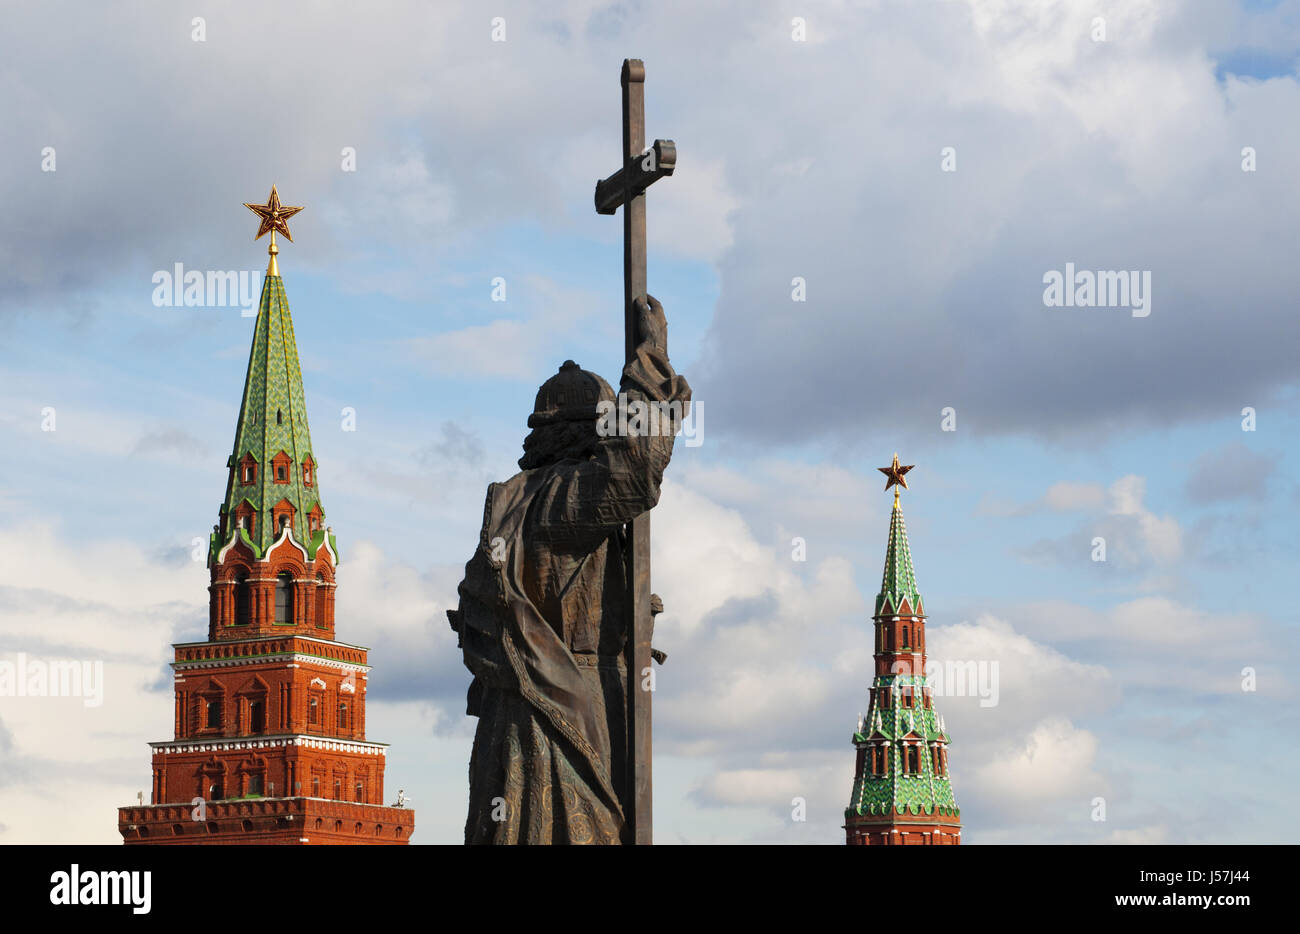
[(246, 517), (338, 794), (321, 599), (282, 516), (361, 791), (213, 715), (255, 783), (241, 598), (906, 643), (280, 467), (313, 718), (284, 597), (913, 760), (215, 791), (315, 790), (257, 717), (343, 716)]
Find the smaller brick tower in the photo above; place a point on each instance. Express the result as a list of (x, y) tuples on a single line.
[(270, 727), (901, 791)]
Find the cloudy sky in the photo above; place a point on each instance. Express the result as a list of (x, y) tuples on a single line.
[(911, 171)]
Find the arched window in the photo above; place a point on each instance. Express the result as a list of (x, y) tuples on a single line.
[(214, 791), (255, 783), (361, 791), (913, 760), (241, 598), (905, 642), (257, 717), (322, 599), (315, 792), (213, 715), (313, 716), (279, 417), (343, 715), (338, 796), (284, 597)]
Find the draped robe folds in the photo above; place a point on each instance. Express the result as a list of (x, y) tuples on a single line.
[(543, 622)]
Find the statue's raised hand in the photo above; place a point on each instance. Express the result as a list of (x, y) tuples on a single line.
[(651, 325)]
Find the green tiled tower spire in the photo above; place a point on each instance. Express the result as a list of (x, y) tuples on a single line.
[(273, 422), (273, 481), (901, 789), (898, 584)]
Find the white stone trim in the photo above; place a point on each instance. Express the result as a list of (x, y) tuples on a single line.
[(284, 533), (286, 635), (331, 744), (234, 540), (262, 659)]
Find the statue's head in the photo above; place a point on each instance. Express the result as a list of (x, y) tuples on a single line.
[(563, 422)]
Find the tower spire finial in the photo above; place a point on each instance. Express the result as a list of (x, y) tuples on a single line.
[(897, 476), (899, 581), (274, 216)]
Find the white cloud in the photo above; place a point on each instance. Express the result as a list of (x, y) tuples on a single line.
[(1054, 763), (1067, 497)]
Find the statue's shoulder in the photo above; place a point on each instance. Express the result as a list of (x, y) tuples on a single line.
[(506, 502)]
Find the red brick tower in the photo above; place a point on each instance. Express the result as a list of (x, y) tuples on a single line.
[(270, 727)]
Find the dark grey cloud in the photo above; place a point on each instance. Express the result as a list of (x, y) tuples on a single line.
[(457, 445), (1117, 155), (1231, 472)]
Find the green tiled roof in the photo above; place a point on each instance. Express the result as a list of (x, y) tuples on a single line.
[(895, 793), (921, 793), (899, 580), (272, 419)]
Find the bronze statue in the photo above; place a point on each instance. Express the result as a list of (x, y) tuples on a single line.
[(544, 618)]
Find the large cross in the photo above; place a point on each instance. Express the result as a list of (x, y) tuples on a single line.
[(626, 189)]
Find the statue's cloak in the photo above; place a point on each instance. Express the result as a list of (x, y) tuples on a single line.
[(543, 624)]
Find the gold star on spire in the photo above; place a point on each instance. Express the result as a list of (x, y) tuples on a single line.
[(274, 217), (895, 472)]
